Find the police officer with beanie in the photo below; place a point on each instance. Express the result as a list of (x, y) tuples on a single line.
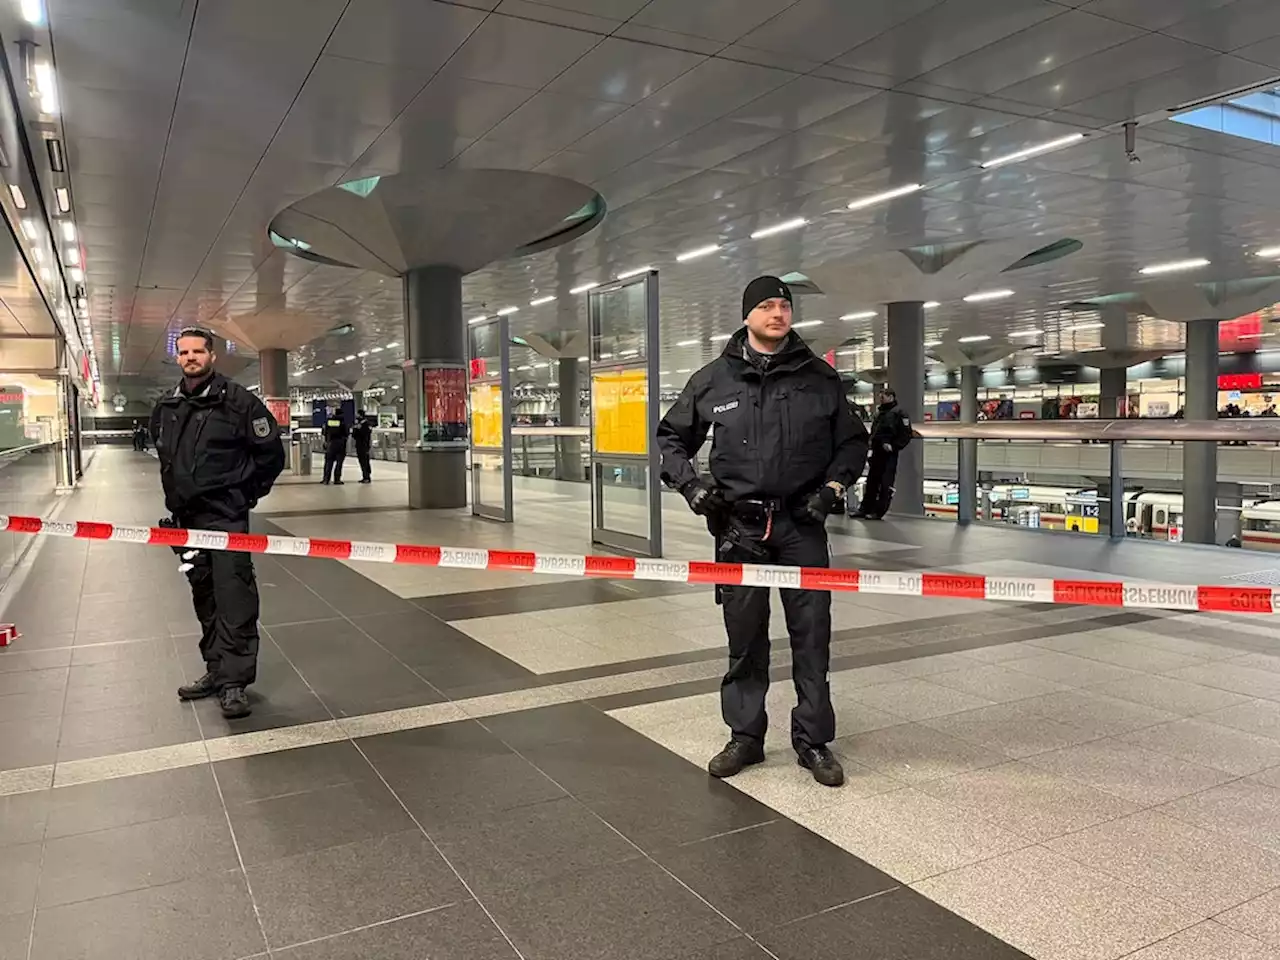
[(890, 434), (220, 452), (784, 449)]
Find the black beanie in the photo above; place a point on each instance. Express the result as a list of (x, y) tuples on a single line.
[(761, 289)]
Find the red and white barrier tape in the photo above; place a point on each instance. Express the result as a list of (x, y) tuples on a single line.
[(1106, 593)]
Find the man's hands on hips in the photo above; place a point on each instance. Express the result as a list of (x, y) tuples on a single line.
[(822, 503)]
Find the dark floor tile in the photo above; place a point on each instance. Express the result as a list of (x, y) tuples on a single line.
[(15, 936), (740, 949), (461, 932), (292, 603), (160, 737), (667, 814), (23, 817), (52, 680), (562, 723), (900, 925), (331, 891), (290, 772), (150, 854), (456, 771), (529, 845), (88, 807), (25, 706), (41, 633), (626, 911), (269, 713), (806, 874), (208, 918), (19, 877), (342, 588), (28, 743), (315, 820), (161, 672), (163, 718), (14, 659), (442, 654)]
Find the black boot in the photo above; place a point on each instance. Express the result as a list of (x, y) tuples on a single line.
[(735, 755), (234, 703), (204, 687), (826, 768)]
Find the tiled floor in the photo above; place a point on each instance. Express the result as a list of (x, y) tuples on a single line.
[(457, 765)]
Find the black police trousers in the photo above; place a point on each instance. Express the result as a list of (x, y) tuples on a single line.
[(881, 472), (224, 592), (746, 620), (362, 455), (335, 452)]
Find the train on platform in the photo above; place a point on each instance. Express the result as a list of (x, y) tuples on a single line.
[(1154, 515)]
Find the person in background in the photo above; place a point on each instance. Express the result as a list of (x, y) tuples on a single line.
[(220, 453), (335, 446), (139, 437), (890, 434), (362, 434)]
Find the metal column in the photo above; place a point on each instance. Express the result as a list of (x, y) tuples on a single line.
[(435, 374), (491, 400), (569, 449), (906, 378), (967, 468), (1200, 457)]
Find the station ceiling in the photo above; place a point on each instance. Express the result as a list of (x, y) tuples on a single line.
[(190, 123)]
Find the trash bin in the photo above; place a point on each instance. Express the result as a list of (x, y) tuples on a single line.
[(300, 456)]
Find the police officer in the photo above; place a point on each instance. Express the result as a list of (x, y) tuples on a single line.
[(335, 445), (362, 434), (220, 452), (890, 434), (784, 449)]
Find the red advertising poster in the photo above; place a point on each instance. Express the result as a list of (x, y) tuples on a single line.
[(444, 405), (280, 410), (479, 368)]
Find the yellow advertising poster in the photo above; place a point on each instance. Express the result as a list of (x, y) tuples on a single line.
[(486, 415), (619, 400)]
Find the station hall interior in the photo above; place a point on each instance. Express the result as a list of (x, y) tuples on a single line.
[(508, 232)]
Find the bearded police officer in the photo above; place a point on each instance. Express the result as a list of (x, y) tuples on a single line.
[(220, 452), (784, 449)]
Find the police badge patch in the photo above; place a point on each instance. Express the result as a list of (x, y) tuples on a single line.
[(262, 427)]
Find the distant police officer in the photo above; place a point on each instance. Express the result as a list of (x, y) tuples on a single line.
[(220, 452), (362, 434), (784, 449), (335, 445), (890, 434)]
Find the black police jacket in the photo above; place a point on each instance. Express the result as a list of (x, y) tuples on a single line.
[(219, 449), (891, 427), (335, 430), (362, 434), (781, 433)]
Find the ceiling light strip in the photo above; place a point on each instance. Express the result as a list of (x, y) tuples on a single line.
[(1034, 151)]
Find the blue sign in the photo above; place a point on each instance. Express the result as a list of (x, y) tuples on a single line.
[(1019, 493), (953, 496)]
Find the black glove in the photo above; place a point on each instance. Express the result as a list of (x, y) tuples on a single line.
[(704, 499), (821, 504)]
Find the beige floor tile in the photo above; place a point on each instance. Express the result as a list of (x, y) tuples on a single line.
[(787, 787), (914, 753), (1210, 745), (1206, 941), (1134, 656), (1129, 772), (995, 683), (1054, 908), (1261, 717), (1029, 802), (1015, 729), (910, 835), (1244, 809), (1095, 714), (1259, 918), (1070, 670), (1202, 872), (1247, 681), (1171, 694), (919, 699)]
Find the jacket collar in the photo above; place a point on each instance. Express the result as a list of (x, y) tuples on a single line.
[(793, 355)]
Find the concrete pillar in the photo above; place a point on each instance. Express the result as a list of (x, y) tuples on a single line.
[(1200, 457), (434, 336), (1113, 384), (569, 449), (906, 378), (273, 367), (967, 468), (357, 400)]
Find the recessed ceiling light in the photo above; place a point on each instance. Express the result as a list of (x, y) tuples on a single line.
[(349, 357), (20, 201), (806, 323), (77, 275), (392, 345), (886, 195), (688, 343), (782, 227), (698, 252), (1026, 333), (73, 256), (64, 199), (986, 295), (976, 338), (584, 288), (720, 336), (1267, 252), (881, 349), (932, 343), (68, 231), (1091, 325), (363, 353), (1173, 266), (635, 272), (1034, 151), (338, 361), (33, 12), (541, 300), (931, 304), (606, 356), (376, 350), (29, 228), (861, 315), (483, 316), (507, 311)]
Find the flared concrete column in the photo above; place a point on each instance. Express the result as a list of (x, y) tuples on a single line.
[(906, 378), (967, 468), (273, 365), (569, 449), (1113, 383), (434, 339), (1200, 457)]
